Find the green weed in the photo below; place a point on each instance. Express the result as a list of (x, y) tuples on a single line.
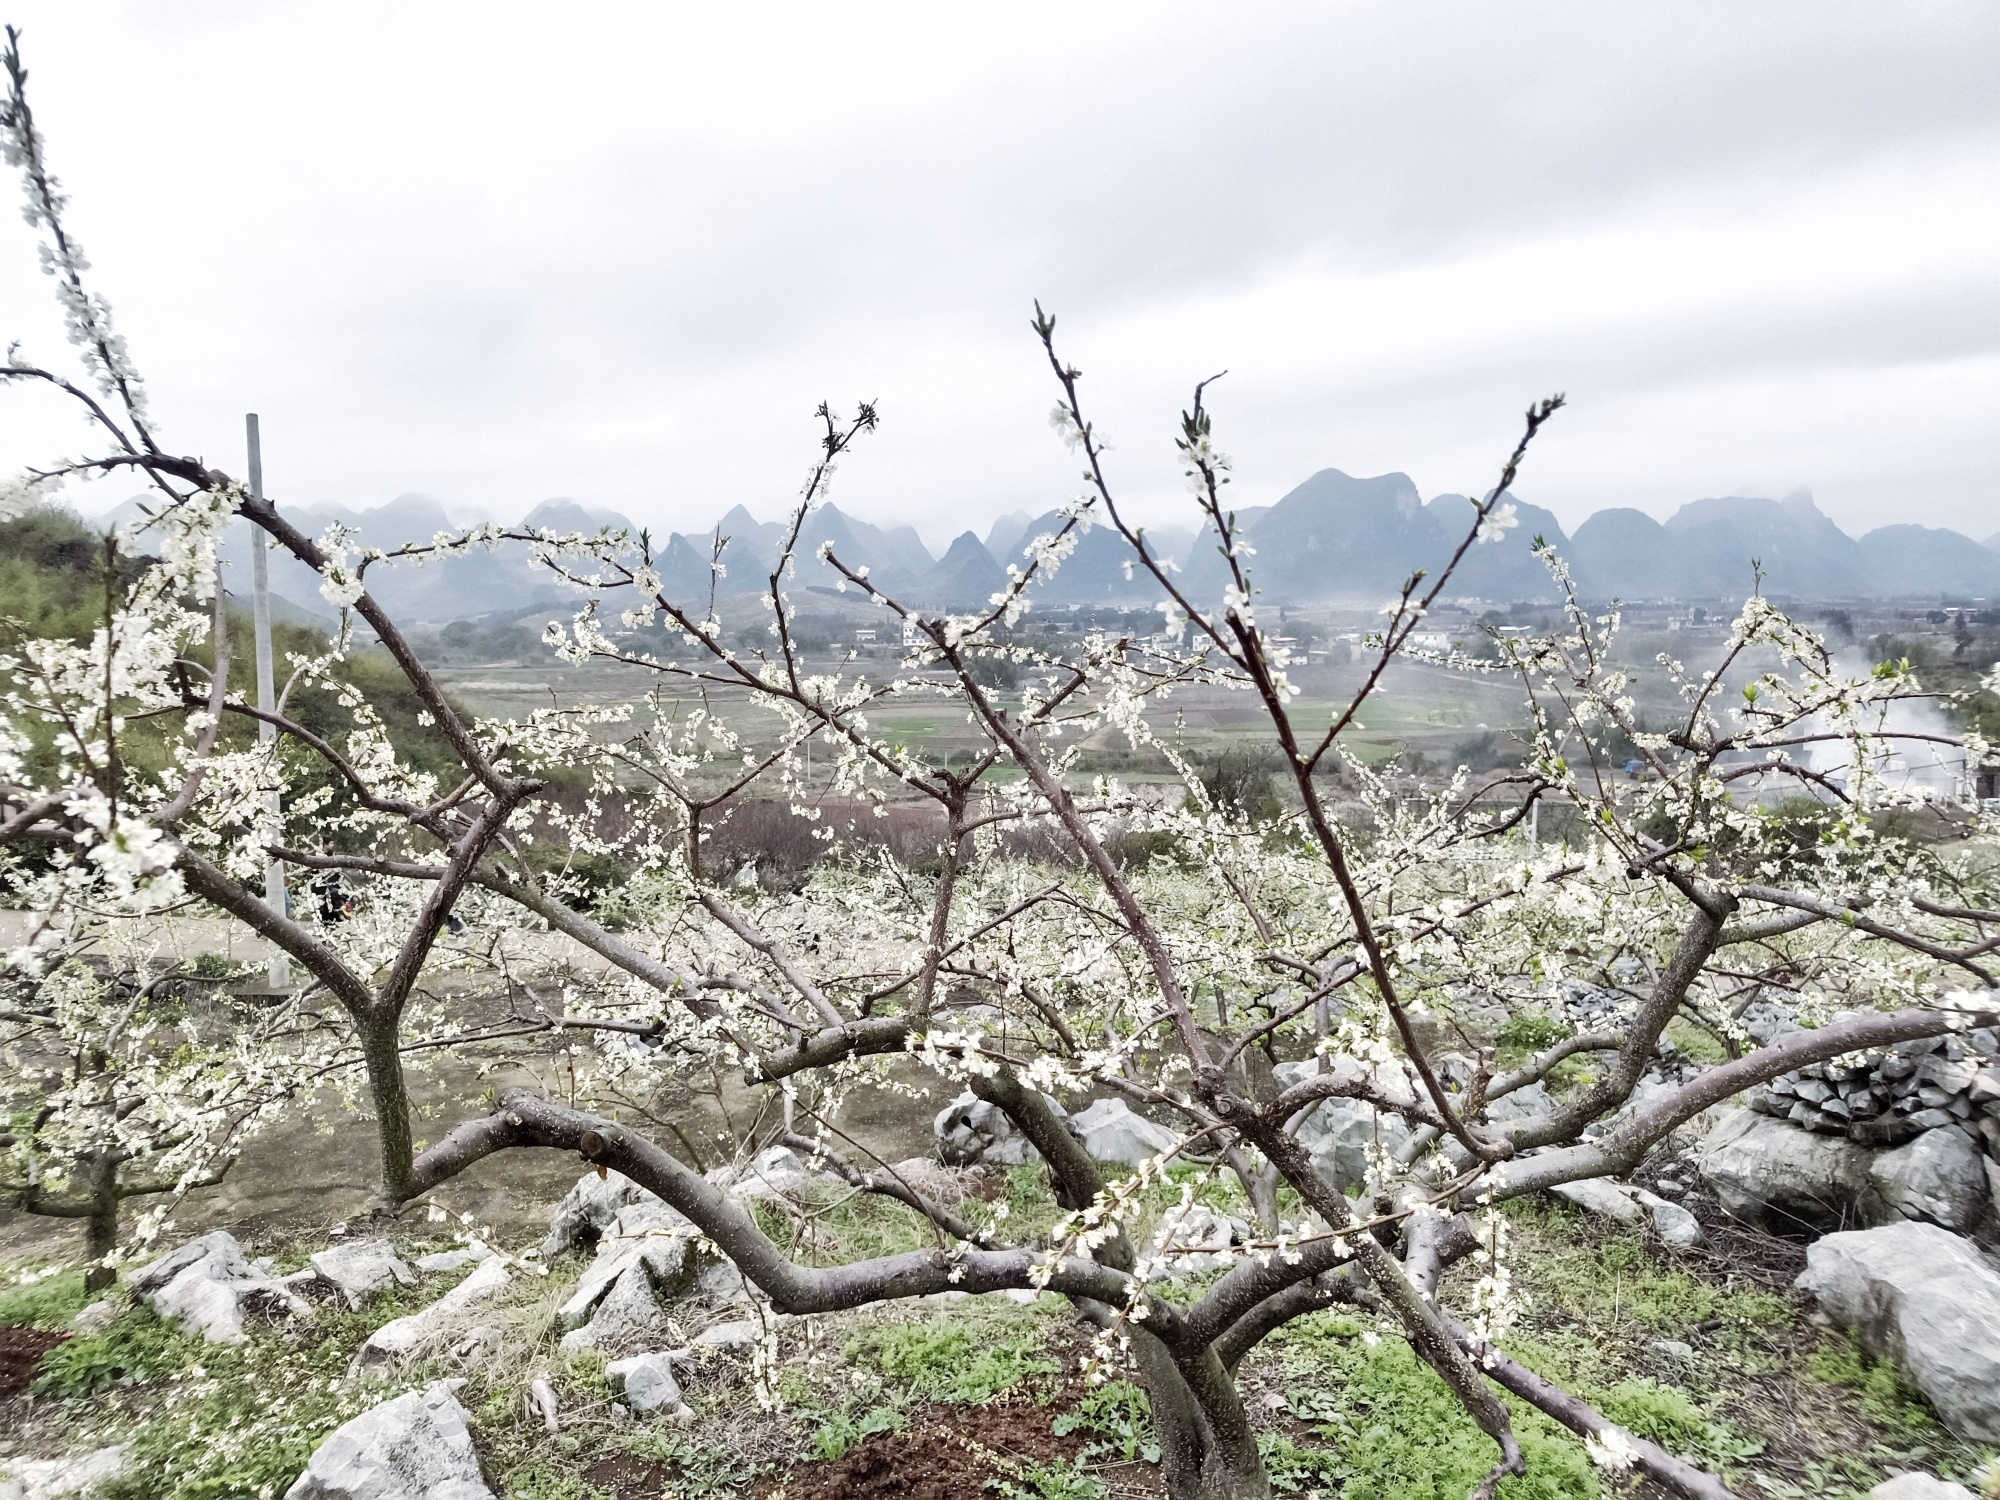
[(1665, 1415), (136, 1348), (1886, 1398), (950, 1362), (1119, 1420), (700, 1471), (1401, 1433), (1314, 1473), (1059, 1479), (843, 1429), (43, 1301)]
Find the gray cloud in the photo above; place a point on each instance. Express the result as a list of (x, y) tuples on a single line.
[(494, 254)]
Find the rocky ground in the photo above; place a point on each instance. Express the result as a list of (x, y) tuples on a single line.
[(607, 1357)]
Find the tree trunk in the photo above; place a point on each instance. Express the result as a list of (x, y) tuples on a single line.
[(103, 1217), (1207, 1448), (382, 1054)]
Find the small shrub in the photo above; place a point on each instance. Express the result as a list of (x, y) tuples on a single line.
[(700, 1471), (1531, 1032)]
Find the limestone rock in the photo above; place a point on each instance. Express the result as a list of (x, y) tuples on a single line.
[(400, 1337), (1925, 1298), (588, 1209), (1340, 1133), (668, 1260), (1628, 1205), (95, 1318), (1939, 1177), (1199, 1236), (774, 1172), (416, 1447), (1671, 1222), (473, 1252), (1766, 1172), (1522, 1104), (972, 1132), (738, 1336), (721, 1284), (648, 1381), (209, 1286), (361, 1270), (1600, 1195), (1110, 1131), (49, 1478), (1919, 1487), (629, 1313)]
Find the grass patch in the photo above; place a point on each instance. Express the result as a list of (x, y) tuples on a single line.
[(950, 1361), (40, 1300), (1396, 1431), (1886, 1398)]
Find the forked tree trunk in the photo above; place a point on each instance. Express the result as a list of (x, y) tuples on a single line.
[(1207, 1448)]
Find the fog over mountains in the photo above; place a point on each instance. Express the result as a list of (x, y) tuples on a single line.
[(1335, 539)]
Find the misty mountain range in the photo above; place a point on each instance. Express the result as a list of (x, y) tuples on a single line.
[(1335, 539)]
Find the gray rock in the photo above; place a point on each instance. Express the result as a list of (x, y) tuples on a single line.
[(1628, 1205), (1768, 1173), (207, 1285), (1522, 1104), (97, 1317), (1925, 1298), (1600, 1195), (1938, 1177), (1110, 1131), (721, 1284), (49, 1478), (736, 1337), (472, 1254), (401, 1337), (542, 1397), (972, 1132), (667, 1261), (362, 1270), (629, 1313), (416, 1447), (1919, 1487), (648, 1382), (588, 1209), (1199, 1237), (774, 1172), (1672, 1223), (1339, 1132), (1673, 1349)]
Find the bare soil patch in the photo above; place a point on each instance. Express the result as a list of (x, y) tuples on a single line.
[(21, 1349)]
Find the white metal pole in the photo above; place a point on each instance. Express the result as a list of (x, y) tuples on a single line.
[(267, 692)]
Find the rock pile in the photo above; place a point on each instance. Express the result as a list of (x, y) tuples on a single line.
[(1889, 1097)]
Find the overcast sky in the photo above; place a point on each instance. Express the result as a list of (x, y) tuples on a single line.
[(495, 253)]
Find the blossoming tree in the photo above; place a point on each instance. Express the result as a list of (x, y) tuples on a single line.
[(1356, 943)]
